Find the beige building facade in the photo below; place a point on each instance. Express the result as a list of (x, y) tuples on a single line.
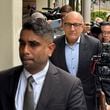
[(10, 25)]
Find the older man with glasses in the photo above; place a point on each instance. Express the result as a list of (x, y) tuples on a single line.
[(73, 53)]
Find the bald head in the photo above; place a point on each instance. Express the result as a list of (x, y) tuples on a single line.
[(73, 26), (74, 15)]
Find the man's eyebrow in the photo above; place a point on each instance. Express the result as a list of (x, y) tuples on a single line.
[(34, 42)]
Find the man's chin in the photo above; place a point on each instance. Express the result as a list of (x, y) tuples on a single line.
[(27, 64)]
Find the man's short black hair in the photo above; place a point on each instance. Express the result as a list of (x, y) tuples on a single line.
[(66, 8), (104, 23), (39, 26)]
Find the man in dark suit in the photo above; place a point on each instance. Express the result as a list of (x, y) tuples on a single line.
[(73, 53), (51, 88)]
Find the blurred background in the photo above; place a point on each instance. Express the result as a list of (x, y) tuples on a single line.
[(14, 12)]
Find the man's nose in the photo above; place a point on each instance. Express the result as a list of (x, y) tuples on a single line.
[(72, 27), (26, 49)]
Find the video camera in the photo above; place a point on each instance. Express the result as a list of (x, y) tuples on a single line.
[(101, 71), (52, 14), (101, 63)]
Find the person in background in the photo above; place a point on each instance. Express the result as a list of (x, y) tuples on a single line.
[(51, 88), (63, 11), (73, 54), (30, 10), (105, 28), (36, 15), (87, 27), (40, 15)]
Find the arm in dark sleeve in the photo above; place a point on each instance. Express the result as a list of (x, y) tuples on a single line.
[(106, 89), (76, 98)]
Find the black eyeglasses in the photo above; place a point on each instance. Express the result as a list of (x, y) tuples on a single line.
[(72, 24), (106, 32)]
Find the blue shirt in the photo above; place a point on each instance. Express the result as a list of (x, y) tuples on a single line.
[(72, 56)]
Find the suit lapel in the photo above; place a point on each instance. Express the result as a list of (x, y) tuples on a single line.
[(13, 83), (62, 59), (83, 49), (51, 81)]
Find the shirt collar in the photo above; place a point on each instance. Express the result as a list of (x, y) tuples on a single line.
[(71, 46), (77, 42), (39, 75)]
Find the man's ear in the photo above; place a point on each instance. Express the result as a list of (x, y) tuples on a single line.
[(51, 47)]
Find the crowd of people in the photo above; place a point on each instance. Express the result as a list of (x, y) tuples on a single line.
[(60, 68), (97, 27)]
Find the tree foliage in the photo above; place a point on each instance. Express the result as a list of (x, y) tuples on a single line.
[(100, 14)]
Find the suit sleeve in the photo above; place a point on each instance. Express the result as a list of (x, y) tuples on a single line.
[(77, 98)]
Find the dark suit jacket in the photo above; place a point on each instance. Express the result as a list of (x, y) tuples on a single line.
[(60, 90), (88, 47)]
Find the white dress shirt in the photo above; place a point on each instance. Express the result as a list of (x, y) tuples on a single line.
[(37, 86)]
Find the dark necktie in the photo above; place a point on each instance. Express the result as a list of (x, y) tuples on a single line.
[(28, 96)]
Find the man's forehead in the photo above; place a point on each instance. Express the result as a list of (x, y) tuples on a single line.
[(31, 38), (73, 18)]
